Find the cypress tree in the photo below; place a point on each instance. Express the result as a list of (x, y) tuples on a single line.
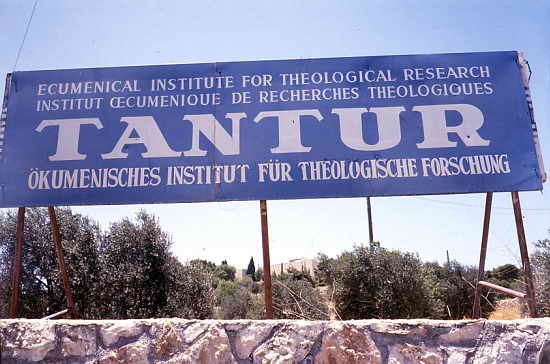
[(251, 270)]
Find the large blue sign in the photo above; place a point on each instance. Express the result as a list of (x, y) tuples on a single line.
[(337, 127)]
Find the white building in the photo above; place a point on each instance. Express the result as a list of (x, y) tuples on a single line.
[(300, 264), (240, 274)]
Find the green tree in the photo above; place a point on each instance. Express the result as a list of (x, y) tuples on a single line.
[(143, 279), (226, 272), (451, 290), (540, 260), (190, 291), (204, 264), (251, 270), (325, 270), (127, 272), (372, 282), (225, 288), (41, 286), (460, 291), (300, 275), (136, 253), (507, 275)]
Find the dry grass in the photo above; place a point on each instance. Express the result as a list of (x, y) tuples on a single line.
[(328, 297), (509, 309)]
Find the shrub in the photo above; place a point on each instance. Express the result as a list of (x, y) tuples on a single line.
[(372, 282), (297, 299), (541, 271)]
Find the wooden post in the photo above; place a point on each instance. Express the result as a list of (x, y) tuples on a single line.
[(509, 291), (369, 212), (16, 267), (524, 255), (482, 255), (61, 262), (267, 265)]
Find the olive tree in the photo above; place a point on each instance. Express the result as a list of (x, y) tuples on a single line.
[(41, 286)]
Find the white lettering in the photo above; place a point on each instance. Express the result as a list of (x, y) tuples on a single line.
[(290, 140), (149, 135), (67, 137)]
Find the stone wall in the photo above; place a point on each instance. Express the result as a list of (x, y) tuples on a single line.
[(190, 341)]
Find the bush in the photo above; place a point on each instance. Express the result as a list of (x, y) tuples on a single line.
[(126, 272), (450, 290), (236, 300), (225, 288), (372, 282), (325, 270), (190, 292), (541, 271), (225, 272), (298, 300), (241, 304)]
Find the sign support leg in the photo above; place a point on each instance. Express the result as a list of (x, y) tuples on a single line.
[(61, 261), (267, 265), (369, 213), (16, 268), (482, 255), (524, 255)]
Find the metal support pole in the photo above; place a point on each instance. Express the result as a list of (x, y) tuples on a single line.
[(369, 212), (16, 267), (267, 265), (482, 254), (61, 261), (524, 255)]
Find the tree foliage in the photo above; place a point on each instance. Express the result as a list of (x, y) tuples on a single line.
[(251, 270), (125, 272), (236, 300), (144, 280), (504, 275), (204, 264), (325, 270), (507, 275), (41, 286), (300, 275), (136, 253), (450, 289), (225, 272), (372, 282), (297, 299), (541, 270)]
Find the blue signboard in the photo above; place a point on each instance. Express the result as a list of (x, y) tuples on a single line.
[(336, 127)]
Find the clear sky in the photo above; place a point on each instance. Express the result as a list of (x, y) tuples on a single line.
[(76, 34)]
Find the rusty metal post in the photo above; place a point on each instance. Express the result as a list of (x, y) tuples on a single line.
[(482, 254), (268, 292), (16, 266), (369, 212), (61, 261), (524, 255)]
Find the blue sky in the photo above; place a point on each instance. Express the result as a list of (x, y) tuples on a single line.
[(75, 34)]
